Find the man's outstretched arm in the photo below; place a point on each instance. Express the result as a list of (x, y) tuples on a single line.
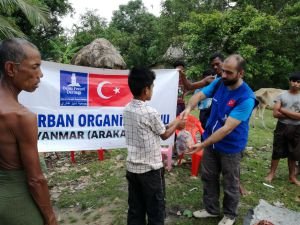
[(192, 104), (228, 127), (188, 85)]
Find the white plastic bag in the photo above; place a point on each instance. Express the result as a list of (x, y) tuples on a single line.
[(183, 141)]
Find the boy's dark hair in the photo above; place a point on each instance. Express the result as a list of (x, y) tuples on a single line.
[(178, 63), (294, 76), (216, 55), (207, 72), (140, 78)]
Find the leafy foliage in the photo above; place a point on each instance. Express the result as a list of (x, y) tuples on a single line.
[(266, 33), (40, 25), (41, 36), (63, 51), (138, 29), (35, 13), (92, 26), (255, 35)]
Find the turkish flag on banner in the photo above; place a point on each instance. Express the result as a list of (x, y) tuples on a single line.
[(108, 90)]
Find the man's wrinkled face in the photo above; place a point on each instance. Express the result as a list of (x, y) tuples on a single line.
[(27, 73)]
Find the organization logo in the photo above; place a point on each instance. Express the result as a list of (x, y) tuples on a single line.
[(73, 88), (74, 81), (231, 102)]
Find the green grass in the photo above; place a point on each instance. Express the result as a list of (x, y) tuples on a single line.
[(107, 188)]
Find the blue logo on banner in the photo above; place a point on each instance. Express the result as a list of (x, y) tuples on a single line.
[(73, 88)]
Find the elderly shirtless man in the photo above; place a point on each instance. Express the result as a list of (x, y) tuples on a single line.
[(24, 194)]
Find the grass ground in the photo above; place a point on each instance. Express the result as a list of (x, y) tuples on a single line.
[(93, 192)]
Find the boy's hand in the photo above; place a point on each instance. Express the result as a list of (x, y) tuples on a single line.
[(280, 115), (181, 124), (280, 112)]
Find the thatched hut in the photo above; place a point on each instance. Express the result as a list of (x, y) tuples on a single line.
[(174, 53), (100, 54)]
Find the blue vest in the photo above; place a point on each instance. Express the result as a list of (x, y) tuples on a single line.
[(223, 102)]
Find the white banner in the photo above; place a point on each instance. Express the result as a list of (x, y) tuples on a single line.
[(81, 108)]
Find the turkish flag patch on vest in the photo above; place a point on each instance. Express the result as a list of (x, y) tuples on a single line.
[(231, 102)]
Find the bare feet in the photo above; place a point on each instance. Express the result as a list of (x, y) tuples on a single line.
[(243, 191), (297, 170), (294, 180), (269, 177)]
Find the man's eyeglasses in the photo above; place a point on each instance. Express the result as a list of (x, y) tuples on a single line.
[(297, 81)]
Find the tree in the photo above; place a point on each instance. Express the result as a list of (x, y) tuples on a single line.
[(63, 50), (220, 5), (41, 35), (173, 13), (273, 7), (290, 33), (35, 13), (138, 31), (41, 24), (253, 34), (92, 26)]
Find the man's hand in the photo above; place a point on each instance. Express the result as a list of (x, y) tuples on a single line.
[(194, 148), (184, 115), (209, 79)]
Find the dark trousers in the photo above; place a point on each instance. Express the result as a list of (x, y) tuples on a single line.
[(213, 164), (180, 108), (146, 196), (203, 116)]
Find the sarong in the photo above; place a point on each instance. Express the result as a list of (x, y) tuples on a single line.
[(17, 206)]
